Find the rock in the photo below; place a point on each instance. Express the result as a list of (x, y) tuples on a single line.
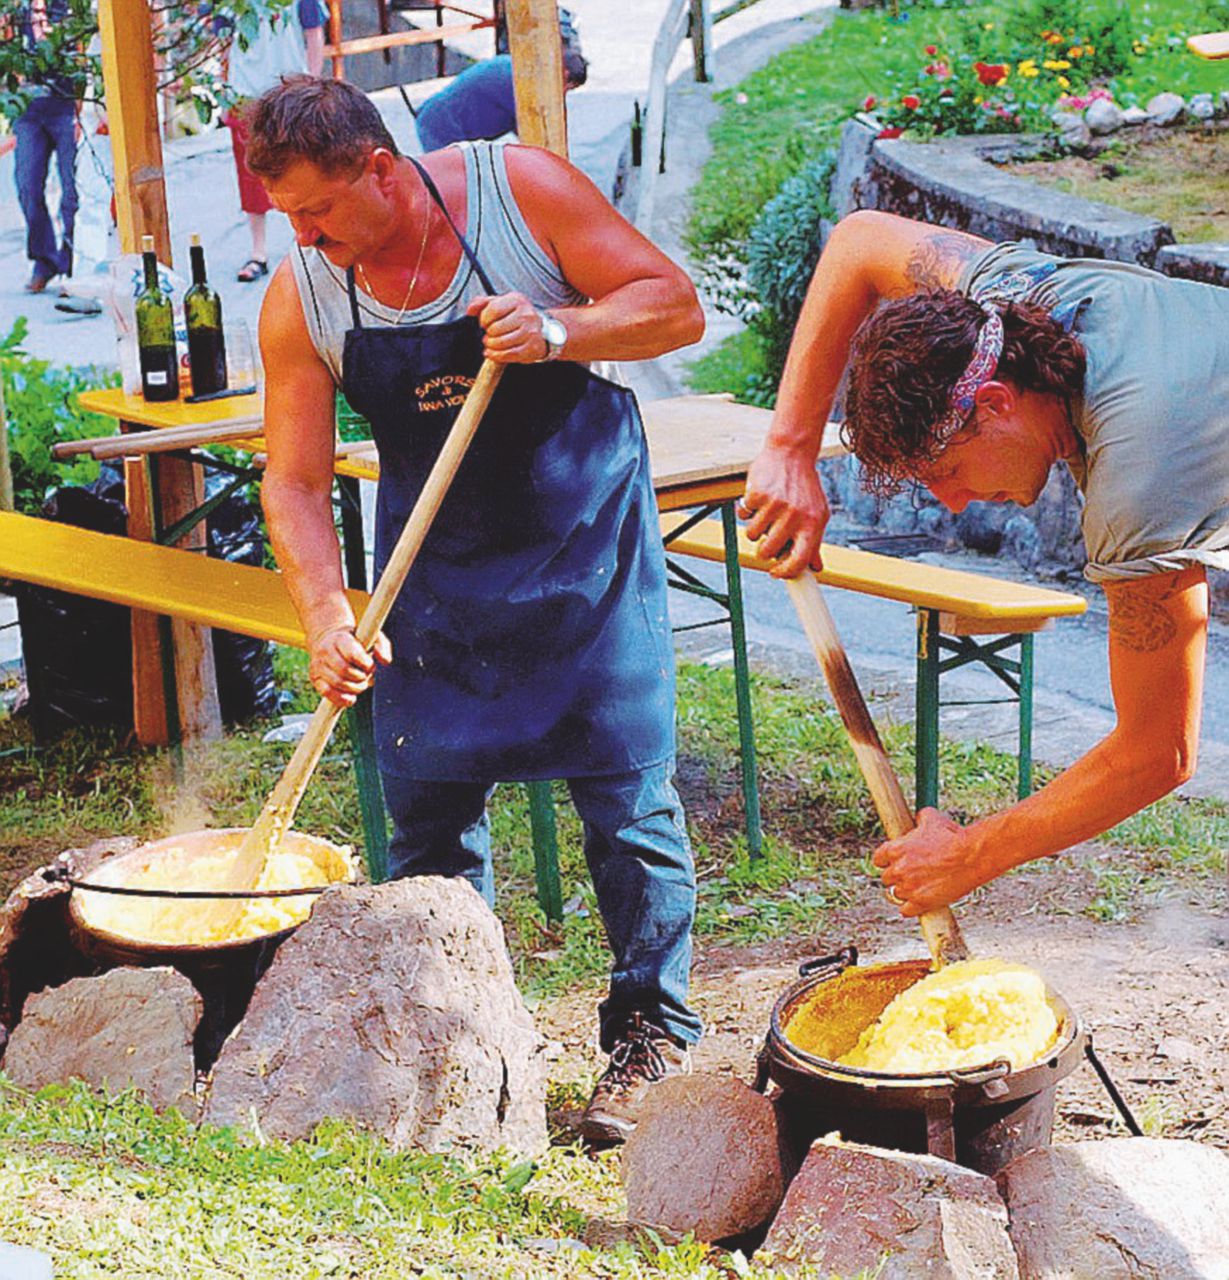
[(1224, 102), (980, 526), (1166, 108), (35, 948), (706, 1156), (1202, 106), (1103, 116), (852, 1207), (1132, 116), (128, 1027), (1120, 1209), (394, 1007), (1022, 542), (19, 1263), (1072, 130)]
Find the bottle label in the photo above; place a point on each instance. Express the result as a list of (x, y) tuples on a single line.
[(156, 377)]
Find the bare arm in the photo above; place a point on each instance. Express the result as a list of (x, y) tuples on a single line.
[(870, 256), (642, 303), (1158, 639), (297, 492)]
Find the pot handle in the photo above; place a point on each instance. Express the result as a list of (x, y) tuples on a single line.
[(991, 1077), (838, 962)]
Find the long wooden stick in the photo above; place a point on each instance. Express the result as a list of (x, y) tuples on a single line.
[(278, 813), (939, 928)]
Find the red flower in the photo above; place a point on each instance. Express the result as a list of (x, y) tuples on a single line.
[(912, 101), (893, 132), (931, 50), (870, 102), (939, 69), (947, 93), (992, 72)]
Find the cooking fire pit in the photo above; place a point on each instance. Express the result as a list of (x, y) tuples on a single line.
[(980, 1116)]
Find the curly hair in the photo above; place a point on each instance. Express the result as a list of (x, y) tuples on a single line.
[(906, 358)]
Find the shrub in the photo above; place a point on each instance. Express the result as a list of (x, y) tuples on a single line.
[(41, 404)]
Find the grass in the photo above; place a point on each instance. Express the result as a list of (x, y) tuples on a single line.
[(108, 1187), (106, 1184), (1180, 178)]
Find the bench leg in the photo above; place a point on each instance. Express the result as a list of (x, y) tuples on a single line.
[(545, 849), (742, 682), (1024, 780), (370, 792), (926, 711)]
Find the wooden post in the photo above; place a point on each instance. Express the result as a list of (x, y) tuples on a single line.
[(702, 39), (537, 74), (130, 89), (335, 39)]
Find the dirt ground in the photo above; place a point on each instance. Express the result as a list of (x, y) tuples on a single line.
[(1153, 993)]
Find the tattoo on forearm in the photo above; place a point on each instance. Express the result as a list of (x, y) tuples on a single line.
[(1142, 622), (935, 263)]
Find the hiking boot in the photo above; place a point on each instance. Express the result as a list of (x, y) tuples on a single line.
[(643, 1055)]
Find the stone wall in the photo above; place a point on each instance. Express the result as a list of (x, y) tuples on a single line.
[(953, 182)]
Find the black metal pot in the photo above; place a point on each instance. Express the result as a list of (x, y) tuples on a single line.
[(981, 1116)]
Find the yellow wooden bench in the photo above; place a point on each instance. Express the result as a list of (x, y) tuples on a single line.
[(184, 584), (953, 607)]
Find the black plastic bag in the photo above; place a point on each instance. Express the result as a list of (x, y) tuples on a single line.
[(77, 651)]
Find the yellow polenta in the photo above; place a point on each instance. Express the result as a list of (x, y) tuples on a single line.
[(167, 921), (965, 1015)]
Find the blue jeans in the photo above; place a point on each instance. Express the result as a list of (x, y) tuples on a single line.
[(639, 857), (47, 127)]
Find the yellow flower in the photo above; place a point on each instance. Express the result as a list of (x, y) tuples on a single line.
[(1056, 64), (1089, 51), (987, 26), (1066, 84), (979, 99), (1077, 52), (1028, 69), (1054, 37), (1138, 47)]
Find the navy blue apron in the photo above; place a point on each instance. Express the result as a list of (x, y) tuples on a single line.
[(531, 638)]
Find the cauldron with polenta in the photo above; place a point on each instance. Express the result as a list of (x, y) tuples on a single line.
[(961, 1062)]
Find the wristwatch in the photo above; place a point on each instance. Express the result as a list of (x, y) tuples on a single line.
[(555, 334)]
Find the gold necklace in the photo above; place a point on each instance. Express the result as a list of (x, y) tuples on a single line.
[(422, 249)]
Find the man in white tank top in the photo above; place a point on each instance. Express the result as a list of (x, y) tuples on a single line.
[(382, 237)]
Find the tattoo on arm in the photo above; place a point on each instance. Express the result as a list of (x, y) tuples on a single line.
[(1141, 620), (935, 263)]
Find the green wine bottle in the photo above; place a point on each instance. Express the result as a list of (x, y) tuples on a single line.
[(203, 313), (156, 333)]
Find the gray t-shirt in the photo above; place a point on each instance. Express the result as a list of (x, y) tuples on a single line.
[(1154, 416)]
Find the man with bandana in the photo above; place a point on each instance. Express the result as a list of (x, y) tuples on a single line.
[(972, 369)]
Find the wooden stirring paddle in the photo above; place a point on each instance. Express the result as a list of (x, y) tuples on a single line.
[(275, 818), (939, 928)]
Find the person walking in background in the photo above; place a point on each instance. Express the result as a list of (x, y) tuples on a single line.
[(479, 104), (291, 42), (46, 128)]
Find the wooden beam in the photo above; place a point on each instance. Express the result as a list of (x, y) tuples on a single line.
[(396, 39), (537, 74), (130, 90), (702, 39)]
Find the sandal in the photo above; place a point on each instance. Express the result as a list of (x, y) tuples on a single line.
[(252, 269)]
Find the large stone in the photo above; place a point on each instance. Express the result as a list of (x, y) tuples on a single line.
[(855, 1207), (1120, 1209), (706, 1156), (394, 1007), (36, 950), (128, 1027), (1132, 116), (1073, 130), (1202, 106), (1104, 116), (1166, 108)]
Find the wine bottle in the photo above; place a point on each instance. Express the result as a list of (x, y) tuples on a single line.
[(203, 313), (156, 333)]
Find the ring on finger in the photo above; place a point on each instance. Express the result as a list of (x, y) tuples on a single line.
[(894, 898)]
